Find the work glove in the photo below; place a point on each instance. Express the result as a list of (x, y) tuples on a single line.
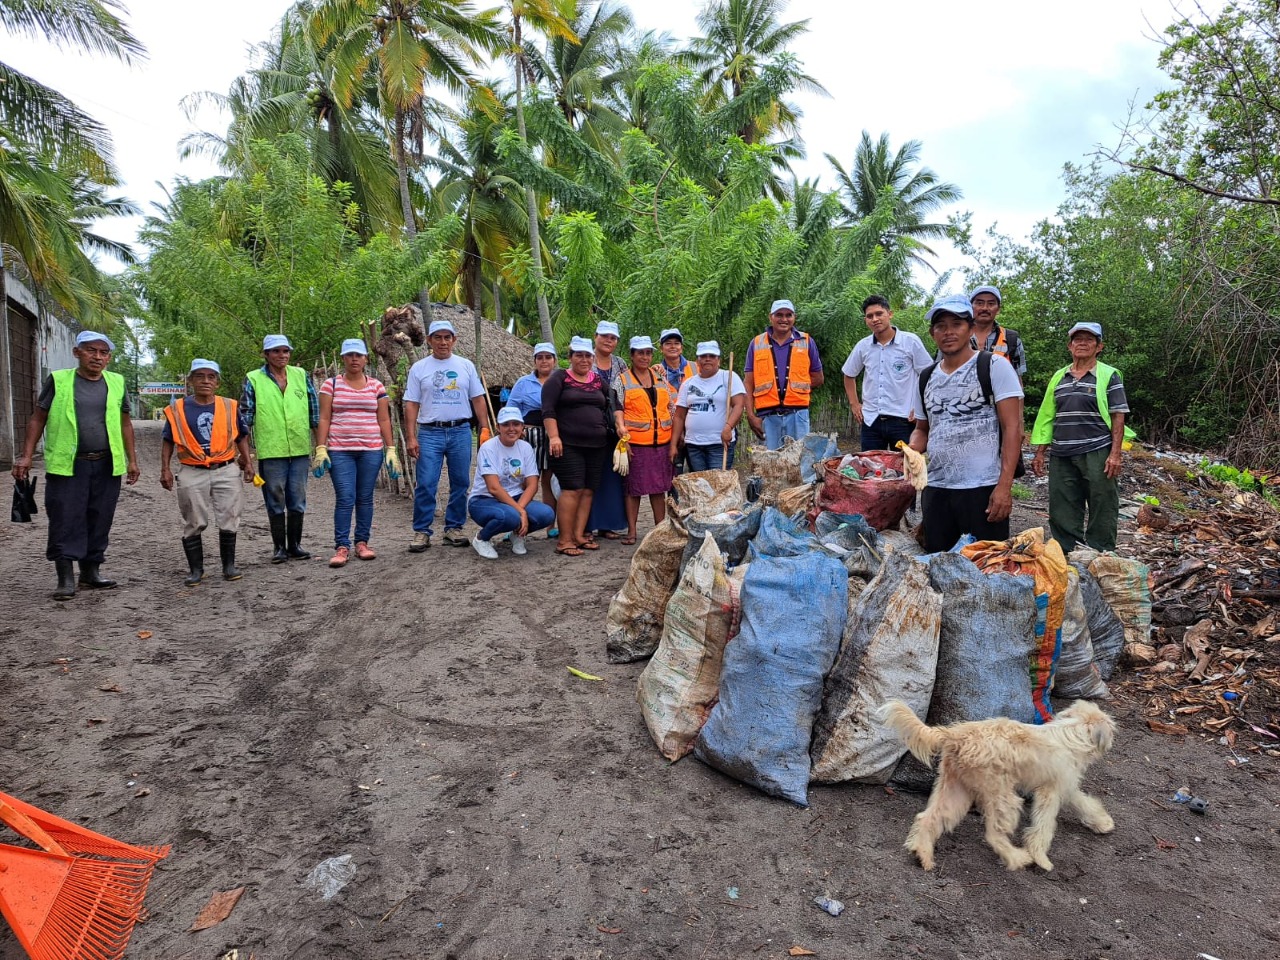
[(258, 481), (392, 463), (320, 462), (485, 435), (622, 458), (914, 466)]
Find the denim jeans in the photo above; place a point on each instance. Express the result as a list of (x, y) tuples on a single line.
[(794, 424), (708, 457), (436, 447), (354, 474), (286, 484), (885, 432), (495, 517)]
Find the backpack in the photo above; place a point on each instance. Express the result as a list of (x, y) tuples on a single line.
[(988, 395)]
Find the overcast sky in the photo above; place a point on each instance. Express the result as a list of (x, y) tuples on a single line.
[(1002, 93)]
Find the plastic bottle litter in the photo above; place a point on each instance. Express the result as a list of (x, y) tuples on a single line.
[(1230, 695), (330, 876), (1182, 796), (833, 907)]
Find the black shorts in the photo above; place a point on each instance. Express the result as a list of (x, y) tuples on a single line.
[(579, 468), (948, 514)]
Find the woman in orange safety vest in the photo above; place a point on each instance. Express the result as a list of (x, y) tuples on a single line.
[(644, 404)]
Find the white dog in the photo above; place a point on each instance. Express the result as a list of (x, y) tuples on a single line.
[(986, 762)]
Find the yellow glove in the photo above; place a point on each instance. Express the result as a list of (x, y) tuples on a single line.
[(914, 466), (320, 462), (258, 481), (392, 463), (621, 458)]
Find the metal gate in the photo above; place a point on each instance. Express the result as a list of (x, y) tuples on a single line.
[(22, 370)]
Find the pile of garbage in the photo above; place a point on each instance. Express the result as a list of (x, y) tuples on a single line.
[(775, 630), (1212, 664)]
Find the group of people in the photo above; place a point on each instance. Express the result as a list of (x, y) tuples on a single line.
[(965, 408), (548, 466)]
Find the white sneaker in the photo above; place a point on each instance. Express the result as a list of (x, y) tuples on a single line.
[(517, 546), (484, 548)]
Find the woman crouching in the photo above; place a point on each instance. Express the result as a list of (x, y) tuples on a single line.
[(503, 490)]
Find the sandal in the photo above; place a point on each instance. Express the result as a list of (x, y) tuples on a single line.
[(610, 535), (569, 551), (628, 541), (589, 545)]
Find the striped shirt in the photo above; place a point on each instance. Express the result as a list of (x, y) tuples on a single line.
[(1078, 427), (353, 424)]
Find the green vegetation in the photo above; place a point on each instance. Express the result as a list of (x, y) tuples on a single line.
[(1021, 491)]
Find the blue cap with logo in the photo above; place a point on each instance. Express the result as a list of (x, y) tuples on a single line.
[(510, 415), (354, 345), (957, 303)]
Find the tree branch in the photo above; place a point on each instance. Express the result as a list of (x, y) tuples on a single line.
[(1199, 187)]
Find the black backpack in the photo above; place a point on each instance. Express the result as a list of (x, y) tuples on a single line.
[(988, 394)]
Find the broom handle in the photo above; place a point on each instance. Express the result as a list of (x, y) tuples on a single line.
[(30, 829), (728, 390), (488, 402)]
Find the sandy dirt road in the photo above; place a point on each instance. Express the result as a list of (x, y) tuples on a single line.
[(415, 712)]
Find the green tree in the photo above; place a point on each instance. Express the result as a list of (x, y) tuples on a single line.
[(917, 195), (272, 249)]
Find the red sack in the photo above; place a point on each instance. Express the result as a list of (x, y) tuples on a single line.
[(882, 503)]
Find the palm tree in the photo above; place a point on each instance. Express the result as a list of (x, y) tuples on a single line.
[(917, 193), (288, 91), (739, 38), (576, 73), (623, 94), (473, 185), (406, 43), (553, 18)]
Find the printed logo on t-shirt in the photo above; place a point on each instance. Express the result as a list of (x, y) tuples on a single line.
[(204, 426), (514, 469), (445, 380), (900, 366), (700, 402)]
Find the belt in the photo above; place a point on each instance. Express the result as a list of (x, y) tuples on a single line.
[(93, 455), (209, 466), (443, 424), (888, 416), (778, 411)]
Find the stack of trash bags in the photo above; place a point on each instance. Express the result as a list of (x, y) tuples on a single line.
[(773, 639)]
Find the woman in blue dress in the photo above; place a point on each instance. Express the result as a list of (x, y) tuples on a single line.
[(608, 509)]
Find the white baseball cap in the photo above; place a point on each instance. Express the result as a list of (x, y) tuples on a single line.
[(641, 343), (782, 305), (1094, 328), (708, 348), (608, 328), (545, 347), (510, 415), (438, 326), (670, 332), (273, 340), (354, 346), (199, 364), (581, 345), (89, 336), (994, 291)]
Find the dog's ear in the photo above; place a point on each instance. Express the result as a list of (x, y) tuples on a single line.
[(1102, 729)]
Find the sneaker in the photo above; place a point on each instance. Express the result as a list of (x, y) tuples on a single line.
[(363, 551), (455, 537), (517, 546), (419, 542), (339, 558), (484, 548)]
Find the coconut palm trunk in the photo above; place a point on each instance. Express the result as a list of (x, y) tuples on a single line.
[(531, 198)]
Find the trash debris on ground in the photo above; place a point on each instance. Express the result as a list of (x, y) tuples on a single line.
[(217, 909), (833, 907), (329, 876)]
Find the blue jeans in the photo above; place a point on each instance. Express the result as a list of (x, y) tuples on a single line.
[(495, 517), (707, 457), (794, 424), (886, 432), (436, 447), (354, 474), (286, 484)]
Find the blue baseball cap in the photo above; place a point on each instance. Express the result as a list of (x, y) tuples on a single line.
[(1094, 328), (957, 303), (354, 346), (994, 291), (273, 340), (545, 347)]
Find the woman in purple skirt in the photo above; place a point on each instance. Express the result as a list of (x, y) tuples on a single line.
[(644, 406)]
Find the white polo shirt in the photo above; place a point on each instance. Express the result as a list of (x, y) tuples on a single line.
[(893, 370)]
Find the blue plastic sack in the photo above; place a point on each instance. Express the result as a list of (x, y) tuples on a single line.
[(781, 536), (793, 615), (818, 448), (732, 532)]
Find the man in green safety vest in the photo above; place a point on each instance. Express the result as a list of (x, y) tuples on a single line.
[(280, 406), (1081, 424), (88, 446)]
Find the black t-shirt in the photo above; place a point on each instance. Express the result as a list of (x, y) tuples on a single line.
[(199, 417), (91, 411), (579, 409)]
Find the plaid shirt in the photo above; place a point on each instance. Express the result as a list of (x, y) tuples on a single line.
[(249, 406)]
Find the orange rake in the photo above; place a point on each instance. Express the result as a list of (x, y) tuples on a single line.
[(79, 896)]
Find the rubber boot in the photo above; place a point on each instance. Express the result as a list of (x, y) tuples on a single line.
[(193, 547), (91, 578), (294, 538), (227, 548), (277, 537), (66, 579)]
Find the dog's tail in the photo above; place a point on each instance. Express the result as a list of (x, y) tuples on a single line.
[(923, 741)]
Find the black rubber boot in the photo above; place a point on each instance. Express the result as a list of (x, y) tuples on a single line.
[(91, 578), (66, 579), (294, 539), (277, 538), (227, 548), (193, 547)]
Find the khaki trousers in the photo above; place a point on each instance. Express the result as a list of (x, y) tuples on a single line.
[(209, 495)]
